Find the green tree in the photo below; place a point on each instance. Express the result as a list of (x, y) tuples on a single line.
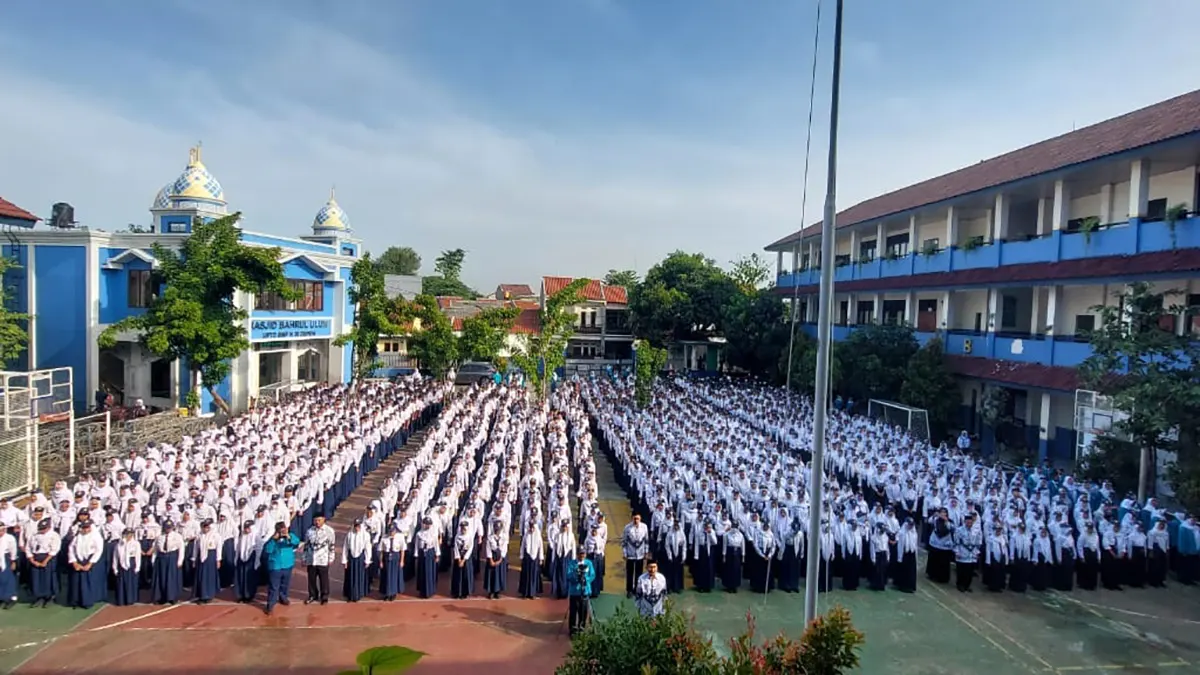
[(449, 264), (432, 342), (929, 384), (194, 317), (399, 260), (1153, 375), (540, 353), (484, 335), (446, 279), (756, 333), (372, 311), (649, 361), (750, 273), (804, 364), (875, 360), (683, 297), (14, 333), (626, 278)]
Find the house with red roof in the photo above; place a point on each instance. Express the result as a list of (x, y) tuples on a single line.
[(1006, 259), (603, 332)]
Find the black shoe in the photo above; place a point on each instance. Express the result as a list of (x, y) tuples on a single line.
[(267, 611), (285, 602), (310, 601), (324, 601)]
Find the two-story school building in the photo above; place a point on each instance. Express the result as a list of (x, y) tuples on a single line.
[(1007, 258), (75, 282)]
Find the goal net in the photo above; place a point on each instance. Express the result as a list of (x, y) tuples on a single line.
[(913, 420)]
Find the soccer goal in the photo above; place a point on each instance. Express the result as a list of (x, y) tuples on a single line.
[(914, 420)]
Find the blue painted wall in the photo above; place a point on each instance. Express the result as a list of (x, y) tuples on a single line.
[(224, 389), (169, 223), (60, 276), (301, 271), (16, 288), (114, 287), (348, 351)]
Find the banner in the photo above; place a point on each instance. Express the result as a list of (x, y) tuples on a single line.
[(290, 329)]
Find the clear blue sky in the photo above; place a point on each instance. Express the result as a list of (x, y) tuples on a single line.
[(550, 136)]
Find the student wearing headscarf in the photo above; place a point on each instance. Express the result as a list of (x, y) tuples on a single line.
[(674, 550), (126, 566), (907, 541), (1063, 576), (42, 553), (1134, 572), (245, 566), (495, 574), (208, 564), (84, 586), (8, 567), (1020, 558), (704, 558), (1188, 545), (1158, 545), (1112, 557), (462, 569), (356, 558), (532, 554), (391, 564), (428, 549), (880, 552), (996, 559), (733, 552), (593, 546)]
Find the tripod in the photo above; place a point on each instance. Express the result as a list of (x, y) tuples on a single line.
[(587, 608)]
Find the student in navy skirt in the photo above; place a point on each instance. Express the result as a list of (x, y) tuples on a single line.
[(126, 568)]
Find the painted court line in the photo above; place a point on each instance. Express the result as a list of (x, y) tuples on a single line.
[(358, 626), (975, 630), (1093, 607), (125, 622), (42, 645), (1022, 646)]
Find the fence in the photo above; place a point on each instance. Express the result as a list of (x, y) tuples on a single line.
[(86, 444), (29, 400)]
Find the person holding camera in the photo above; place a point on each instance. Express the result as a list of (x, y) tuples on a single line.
[(279, 557), (579, 590)]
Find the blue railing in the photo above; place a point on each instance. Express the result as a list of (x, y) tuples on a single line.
[(1128, 238)]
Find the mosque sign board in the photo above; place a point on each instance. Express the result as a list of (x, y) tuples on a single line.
[(289, 329)]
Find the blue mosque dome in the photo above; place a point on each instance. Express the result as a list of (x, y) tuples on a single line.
[(331, 217), (194, 189)]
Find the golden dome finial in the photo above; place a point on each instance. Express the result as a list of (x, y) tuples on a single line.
[(194, 154), (333, 193)]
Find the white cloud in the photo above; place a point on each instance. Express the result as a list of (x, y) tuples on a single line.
[(415, 165)]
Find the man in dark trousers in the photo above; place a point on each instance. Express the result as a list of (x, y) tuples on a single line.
[(279, 554), (579, 588), (319, 544)]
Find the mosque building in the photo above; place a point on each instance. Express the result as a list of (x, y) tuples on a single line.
[(76, 282)]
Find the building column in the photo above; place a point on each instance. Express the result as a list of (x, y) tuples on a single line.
[(851, 310), (778, 264), (1044, 428), (913, 244), (878, 313), (880, 240), (1060, 211), (951, 227), (1106, 204), (993, 310), (795, 258), (1043, 203), (1052, 302), (1000, 217), (1139, 188), (910, 309), (1036, 323), (946, 312), (812, 256), (853, 245)]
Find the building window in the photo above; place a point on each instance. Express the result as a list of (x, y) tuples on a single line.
[(897, 245), (866, 251), (1008, 312), (160, 379), (1085, 323), (177, 228), (308, 367), (931, 245), (1156, 210), (312, 298), (348, 251), (141, 288)]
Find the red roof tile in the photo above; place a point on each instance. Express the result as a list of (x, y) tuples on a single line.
[(595, 290), (447, 301), (11, 210), (529, 321), (1173, 118), (1159, 262), (505, 291), (456, 323), (1033, 375)]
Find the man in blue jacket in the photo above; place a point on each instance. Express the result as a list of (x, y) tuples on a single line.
[(579, 589), (279, 555)]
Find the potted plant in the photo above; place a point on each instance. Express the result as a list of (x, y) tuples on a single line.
[(1087, 226), (973, 243), (1174, 215), (929, 249)]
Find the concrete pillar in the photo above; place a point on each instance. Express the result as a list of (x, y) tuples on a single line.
[(946, 312), (778, 264), (1043, 203), (993, 310), (795, 258), (1000, 217), (812, 255), (852, 309), (1106, 204), (853, 245), (1060, 211), (910, 309), (810, 309), (1036, 322), (878, 313), (880, 240), (1052, 302), (914, 246), (951, 227), (1044, 427), (1139, 187)]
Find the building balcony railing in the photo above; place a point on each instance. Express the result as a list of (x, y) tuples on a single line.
[(589, 330), (397, 360), (618, 330), (1128, 238)]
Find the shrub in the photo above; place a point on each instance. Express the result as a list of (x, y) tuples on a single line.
[(628, 644)]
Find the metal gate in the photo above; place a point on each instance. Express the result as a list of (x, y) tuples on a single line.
[(26, 400)]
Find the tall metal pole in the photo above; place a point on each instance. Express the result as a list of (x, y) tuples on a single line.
[(824, 335)]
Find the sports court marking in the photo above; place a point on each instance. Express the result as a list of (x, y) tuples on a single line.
[(1021, 645), (975, 630)]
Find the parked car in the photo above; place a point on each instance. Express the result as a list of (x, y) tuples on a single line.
[(474, 371)]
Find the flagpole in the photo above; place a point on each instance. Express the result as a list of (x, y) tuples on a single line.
[(824, 335)]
